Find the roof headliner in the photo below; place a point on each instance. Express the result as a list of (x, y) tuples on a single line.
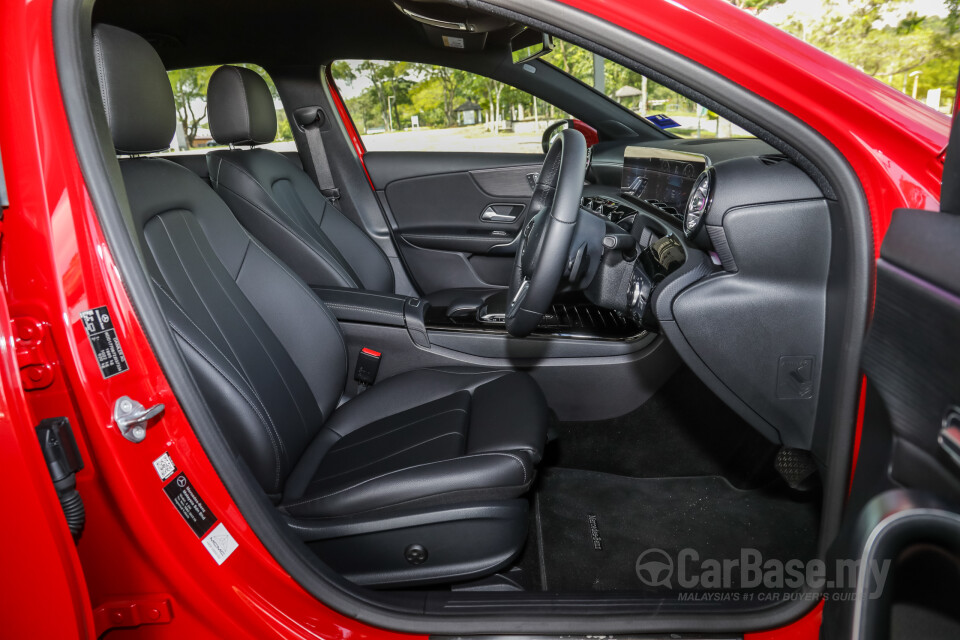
[(189, 33)]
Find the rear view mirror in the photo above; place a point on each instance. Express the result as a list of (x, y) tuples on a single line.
[(529, 45)]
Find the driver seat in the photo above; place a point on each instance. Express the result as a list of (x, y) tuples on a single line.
[(281, 206), (419, 479)]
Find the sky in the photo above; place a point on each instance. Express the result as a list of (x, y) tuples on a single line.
[(814, 8)]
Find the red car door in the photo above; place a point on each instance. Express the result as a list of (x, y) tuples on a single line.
[(43, 593), (903, 523)]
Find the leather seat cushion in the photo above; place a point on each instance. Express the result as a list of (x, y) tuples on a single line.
[(428, 437)]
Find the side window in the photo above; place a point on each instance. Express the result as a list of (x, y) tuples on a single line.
[(663, 107), (402, 106), (193, 129)]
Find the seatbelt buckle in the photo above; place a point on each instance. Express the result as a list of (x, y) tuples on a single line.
[(368, 363), (331, 194)]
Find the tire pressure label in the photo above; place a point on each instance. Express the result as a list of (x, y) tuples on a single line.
[(103, 339), (190, 505)]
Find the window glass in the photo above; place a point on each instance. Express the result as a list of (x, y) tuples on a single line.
[(664, 107), (910, 45), (402, 106), (190, 96)]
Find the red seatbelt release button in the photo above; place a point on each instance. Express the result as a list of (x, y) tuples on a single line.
[(368, 363)]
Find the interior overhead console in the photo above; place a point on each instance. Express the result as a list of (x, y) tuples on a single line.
[(445, 16)]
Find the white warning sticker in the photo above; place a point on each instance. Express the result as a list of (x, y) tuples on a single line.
[(453, 42), (220, 543), (164, 466)]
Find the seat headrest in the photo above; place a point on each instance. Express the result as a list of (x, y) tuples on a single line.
[(135, 90), (240, 107)]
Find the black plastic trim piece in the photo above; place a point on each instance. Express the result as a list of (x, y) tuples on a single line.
[(403, 612), (887, 525)]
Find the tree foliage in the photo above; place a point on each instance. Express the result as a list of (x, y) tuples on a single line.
[(190, 95), (888, 40)]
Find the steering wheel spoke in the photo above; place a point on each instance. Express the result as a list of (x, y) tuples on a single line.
[(547, 236)]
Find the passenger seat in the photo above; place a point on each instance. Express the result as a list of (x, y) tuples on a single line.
[(280, 205)]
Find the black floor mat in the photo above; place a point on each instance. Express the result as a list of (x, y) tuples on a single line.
[(590, 527), (682, 430)]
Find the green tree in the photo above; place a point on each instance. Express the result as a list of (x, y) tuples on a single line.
[(448, 81), (190, 95), (756, 6), (387, 79), (884, 40)]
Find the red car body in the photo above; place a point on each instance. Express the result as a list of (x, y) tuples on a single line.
[(136, 565)]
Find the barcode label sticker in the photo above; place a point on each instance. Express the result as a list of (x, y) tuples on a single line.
[(164, 466)]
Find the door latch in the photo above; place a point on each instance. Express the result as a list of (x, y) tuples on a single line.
[(133, 419)]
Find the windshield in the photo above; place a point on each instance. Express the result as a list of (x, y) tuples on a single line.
[(664, 107)]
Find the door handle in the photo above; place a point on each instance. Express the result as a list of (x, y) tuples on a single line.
[(491, 215)]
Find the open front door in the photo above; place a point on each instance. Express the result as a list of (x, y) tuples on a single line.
[(903, 519)]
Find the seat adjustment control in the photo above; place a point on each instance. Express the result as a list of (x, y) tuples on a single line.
[(415, 554)]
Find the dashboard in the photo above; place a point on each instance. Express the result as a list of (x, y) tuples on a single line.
[(734, 257), (662, 177)]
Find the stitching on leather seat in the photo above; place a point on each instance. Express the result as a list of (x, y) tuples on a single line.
[(394, 454), (381, 312), (310, 294), (276, 452), (256, 335), (212, 317), (416, 466), (335, 266), (386, 433)]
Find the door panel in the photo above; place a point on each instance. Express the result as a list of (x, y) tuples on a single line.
[(903, 503), (455, 216)]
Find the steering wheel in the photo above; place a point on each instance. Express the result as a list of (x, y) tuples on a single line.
[(547, 235), (551, 132)]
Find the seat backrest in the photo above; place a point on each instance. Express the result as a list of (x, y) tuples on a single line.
[(265, 352), (275, 200)]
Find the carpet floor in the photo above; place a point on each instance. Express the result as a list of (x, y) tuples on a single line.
[(590, 528)]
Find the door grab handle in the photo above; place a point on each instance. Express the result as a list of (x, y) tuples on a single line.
[(489, 215)]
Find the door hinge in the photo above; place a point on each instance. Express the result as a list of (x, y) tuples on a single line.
[(35, 355), (133, 612)]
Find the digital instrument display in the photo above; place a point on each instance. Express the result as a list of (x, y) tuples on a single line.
[(660, 175)]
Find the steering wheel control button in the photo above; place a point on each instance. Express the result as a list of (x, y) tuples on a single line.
[(416, 554)]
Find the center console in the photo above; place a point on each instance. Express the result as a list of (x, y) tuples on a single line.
[(570, 316)]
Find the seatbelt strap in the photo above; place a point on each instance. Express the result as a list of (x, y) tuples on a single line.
[(311, 119)]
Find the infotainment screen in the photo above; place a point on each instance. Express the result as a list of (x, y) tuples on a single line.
[(660, 174)]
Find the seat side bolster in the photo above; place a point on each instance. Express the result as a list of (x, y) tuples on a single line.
[(498, 407)]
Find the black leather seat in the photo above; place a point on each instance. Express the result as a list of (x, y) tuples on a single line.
[(281, 206), (417, 479)]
